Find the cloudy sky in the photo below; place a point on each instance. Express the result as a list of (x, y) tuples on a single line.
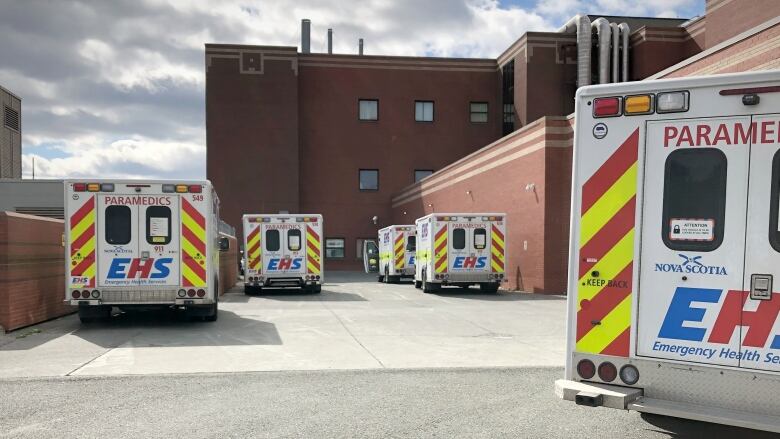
[(116, 88)]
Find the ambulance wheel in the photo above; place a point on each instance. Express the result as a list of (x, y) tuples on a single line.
[(491, 288), (212, 317), (316, 289), (417, 284), (380, 278), (248, 290), (87, 320), (428, 287), (387, 276)]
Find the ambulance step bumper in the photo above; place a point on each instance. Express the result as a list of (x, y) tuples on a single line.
[(135, 296), (715, 415), (596, 394)]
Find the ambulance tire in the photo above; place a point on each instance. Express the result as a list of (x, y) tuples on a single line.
[(429, 287), (387, 276), (212, 317), (316, 289), (417, 284), (249, 290), (380, 278), (491, 288)]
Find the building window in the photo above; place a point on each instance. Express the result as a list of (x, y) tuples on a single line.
[(334, 248), (118, 228), (158, 225), (11, 118), (694, 190), (369, 179), (423, 111), (419, 174), (508, 96), (478, 112), (369, 109)]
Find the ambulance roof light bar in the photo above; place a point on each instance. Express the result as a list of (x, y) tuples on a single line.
[(672, 102), (182, 188), (93, 187)]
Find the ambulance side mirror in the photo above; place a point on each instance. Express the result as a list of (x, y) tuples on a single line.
[(224, 244)]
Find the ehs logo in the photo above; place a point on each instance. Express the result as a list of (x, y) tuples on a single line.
[(464, 262), (756, 326), (284, 264), (692, 265), (424, 233), (411, 260), (135, 268)]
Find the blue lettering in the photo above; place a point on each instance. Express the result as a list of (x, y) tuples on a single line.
[(162, 270), (296, 264), (117, 268), (481, 262), (411, 260), (776, 342), (458, 262), (680, 311), (272, 264)]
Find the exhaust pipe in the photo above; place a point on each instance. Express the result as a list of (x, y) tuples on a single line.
[(625, 32), (580, 24), (603, 30), (305, 35), (360, 46), (330, 41)]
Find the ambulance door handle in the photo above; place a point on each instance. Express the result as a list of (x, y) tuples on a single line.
[(144, 255), (761, 287)]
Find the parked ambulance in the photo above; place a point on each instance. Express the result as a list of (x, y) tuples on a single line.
[(675, 245), (283, 251), (134, 243), (460, 249), (397, 247)]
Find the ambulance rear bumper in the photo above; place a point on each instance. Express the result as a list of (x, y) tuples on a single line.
[(596, 394)]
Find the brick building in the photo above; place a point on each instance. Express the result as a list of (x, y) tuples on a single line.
[(345, 135)]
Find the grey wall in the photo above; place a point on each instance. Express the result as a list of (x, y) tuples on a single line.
[(35, 197)]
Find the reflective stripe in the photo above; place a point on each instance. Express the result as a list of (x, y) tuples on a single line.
[(313, 253), (497, 250), (82, 245), (399, 252), (193, 245), (255, 249), (440, 246)]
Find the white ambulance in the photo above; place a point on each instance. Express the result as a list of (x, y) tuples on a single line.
[(397, 247), (283, 250), (460, 249), (675, 245), (135, 243)]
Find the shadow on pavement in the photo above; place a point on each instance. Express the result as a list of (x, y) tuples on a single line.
[(685, 428), (295, 295), (169, 328), (501, 296)]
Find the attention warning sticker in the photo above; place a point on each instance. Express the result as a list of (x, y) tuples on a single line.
[(681, 229)]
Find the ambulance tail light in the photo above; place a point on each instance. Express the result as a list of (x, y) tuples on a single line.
[(195, 188), (201, 293), (638, 104), (672, 102), (181, 188), (586, 369), (607, 372), (85, 294), (75, 294), (93, 187), (95, 294), (191, 293), (79, 187), (181, 293), (606, 107), (629, 374)]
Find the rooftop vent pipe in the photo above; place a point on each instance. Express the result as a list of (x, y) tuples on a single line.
[(305, 35), (603, 30), (580, 24), (330, 41), (625, 31), (360, 46), (613, 28)]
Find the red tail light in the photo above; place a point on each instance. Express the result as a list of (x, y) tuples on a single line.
[(191, 293), (606, 107), (201, 293), (607, 372), (196, 188), (75, 294), (79, 187), (586, 369), (85, 294)]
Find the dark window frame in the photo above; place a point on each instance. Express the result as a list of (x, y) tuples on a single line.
[(720, 214), (108, 220), (433, 110), (411, 241), (377, 109), (343, 248), (474, 237), (422, 170), (168, 237), (268, 240), (486, 112), (455, 233), (774, 203), (359, 249), (377, 180)]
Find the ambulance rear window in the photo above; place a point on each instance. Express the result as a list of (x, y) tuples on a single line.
[(694, 207), (411, 243), (459, 239), (294, 240), (158, 225), (118, 225), (272, 243), (480, 239)]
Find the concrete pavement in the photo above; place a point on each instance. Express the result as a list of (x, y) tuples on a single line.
[(355, 323)]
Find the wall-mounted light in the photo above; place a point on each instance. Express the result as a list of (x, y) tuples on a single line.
[(530, 187), (404, 212), (375, 219)]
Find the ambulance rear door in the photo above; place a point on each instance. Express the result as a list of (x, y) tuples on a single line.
[(117, 250)]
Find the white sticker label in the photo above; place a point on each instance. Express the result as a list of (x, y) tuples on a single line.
[(158, 227), (691, 229)]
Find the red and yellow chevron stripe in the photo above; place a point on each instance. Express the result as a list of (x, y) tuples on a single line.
[(313, 261), (399, 251), (497, 250), (82, 245), (607, 254), (193, 246), (440, 250), (254, 249)]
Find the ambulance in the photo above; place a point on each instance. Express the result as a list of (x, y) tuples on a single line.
[(674, 249), (141, 244), (460, 249), (397, 247), (283, 250)]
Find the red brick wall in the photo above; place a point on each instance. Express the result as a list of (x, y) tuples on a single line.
[(527, 175), (32, 270), (729, 18), (228, 266)]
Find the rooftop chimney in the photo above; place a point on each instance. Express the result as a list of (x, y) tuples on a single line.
[(360, 46), (330, 41), (305, 35)]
